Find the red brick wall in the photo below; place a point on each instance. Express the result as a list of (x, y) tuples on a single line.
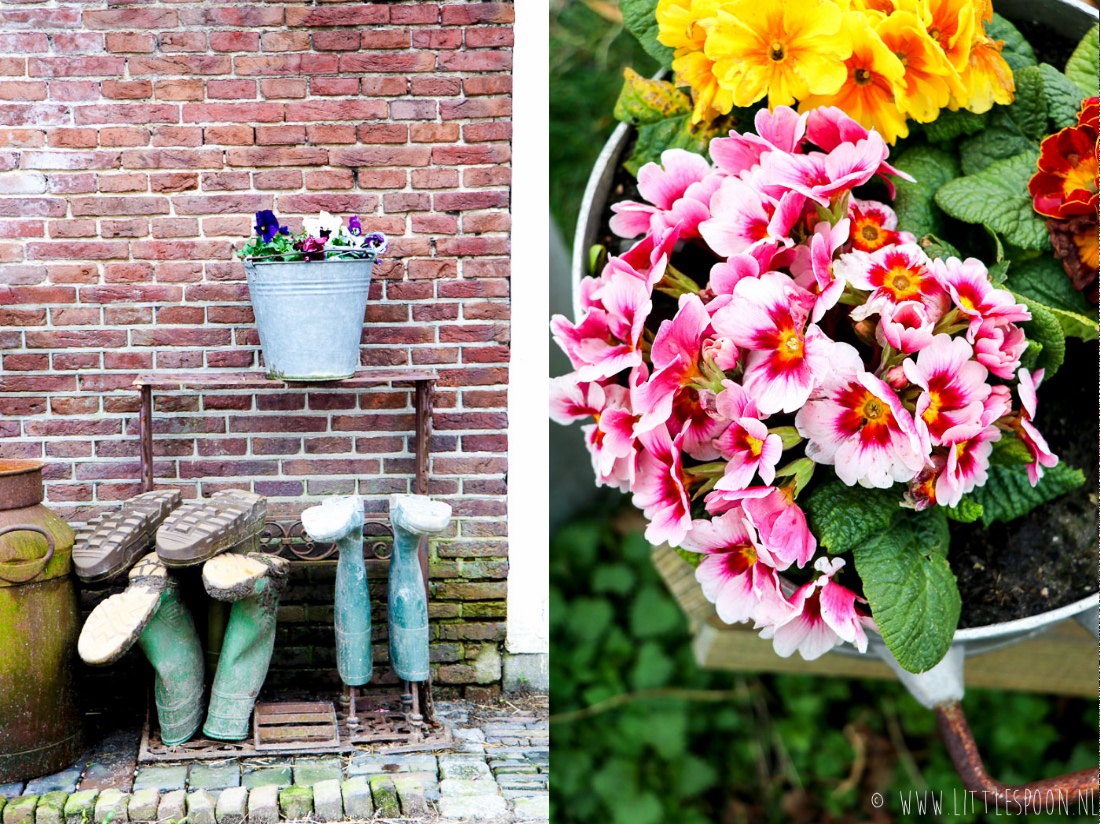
[(137, 139)]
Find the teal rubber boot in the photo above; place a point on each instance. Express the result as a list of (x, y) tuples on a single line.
[(411, 517), (341, 520), (149, 612), (252, 583)]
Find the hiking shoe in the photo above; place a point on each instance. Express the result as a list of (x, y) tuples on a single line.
[(115, 624), (109, 544), (199, 530)]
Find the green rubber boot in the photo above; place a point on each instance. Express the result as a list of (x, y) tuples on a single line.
[(341, 520), (252, 583), (150, 613)]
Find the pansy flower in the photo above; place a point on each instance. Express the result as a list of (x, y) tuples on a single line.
[(267, 225)]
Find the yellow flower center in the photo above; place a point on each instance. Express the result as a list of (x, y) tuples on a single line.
[(1081, 176), (777, 52), (862, 77), (755, 445), (903, 57), (872, 410), (869, 232)]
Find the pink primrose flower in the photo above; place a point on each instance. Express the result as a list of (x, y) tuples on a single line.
[(679, 189), (856, 423), (893, 275), (969, 446), (967, 281), (955, 387), (1025, 429), (660, 487), (874, 225), (821, 176), (812, 266), (784, 358), (999, 347), (692, 416), (905, 326), (780, 523), (780, 130), (573, 400), (826, 616), (745, 444), (829, 127), (742, 218), (675, 355), (737, 575)]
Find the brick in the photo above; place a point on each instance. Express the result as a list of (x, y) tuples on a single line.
[(432, 86), (23, 90), (298, 156), (396, 62), (258, 112), (287, 135), (172, 159), (434, 132), (123, 136), (73, 66), (129, 42), (231, 89), (234, 41), (178, 89), (181, 64), (229, 135), (283, 87), (336, 40), (284, 41), (336, 110), (289, 64), (380, 156), (347, 15), (382, 39), (479, 37), (334, 86), (177, 136)]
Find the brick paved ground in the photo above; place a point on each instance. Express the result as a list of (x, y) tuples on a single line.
[(498, 771)]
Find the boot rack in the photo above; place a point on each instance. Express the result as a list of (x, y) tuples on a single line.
[(388, 719)]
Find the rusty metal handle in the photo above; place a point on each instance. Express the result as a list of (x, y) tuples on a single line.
[(1038, 796), (19, 572)]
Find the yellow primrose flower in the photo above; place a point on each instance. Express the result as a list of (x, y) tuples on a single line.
[(867, 94), (677, 25), (951, 23), (987, 76), (929, 79), (786, 49), (886, 7), (696, 70)]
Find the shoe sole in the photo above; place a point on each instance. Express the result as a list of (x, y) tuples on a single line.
[(108, 545), (199, 530), (115, 624), (232, 576)]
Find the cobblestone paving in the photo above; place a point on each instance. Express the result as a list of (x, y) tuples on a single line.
[(497, 773)]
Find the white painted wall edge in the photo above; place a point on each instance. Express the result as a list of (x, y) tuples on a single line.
[(528, 396)]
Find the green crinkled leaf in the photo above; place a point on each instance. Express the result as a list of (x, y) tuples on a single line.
[(674, 133), (1063, 97), (1081, 66), (936, 248), (932, 167), (652, 614), (1043, 279), (911, 591), (1045, 329), (640, 19), (949, 125), (965, 512), (1017, 51), (1010, 451), (842, 516), (998, 197), (1029, 110), (1001, 140), (643, 101), (1008, 494), (930, 529)]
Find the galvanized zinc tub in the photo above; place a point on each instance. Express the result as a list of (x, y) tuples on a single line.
[(310, 316), (40, 723)]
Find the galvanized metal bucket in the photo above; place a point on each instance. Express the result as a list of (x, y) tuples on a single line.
[(940, 689), (309, 315)]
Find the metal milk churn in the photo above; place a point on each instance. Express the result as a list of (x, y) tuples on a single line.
[(40, 725)]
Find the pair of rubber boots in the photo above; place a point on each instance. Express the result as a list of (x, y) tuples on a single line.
[(217, 533), (341, 520), (184, 535)]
